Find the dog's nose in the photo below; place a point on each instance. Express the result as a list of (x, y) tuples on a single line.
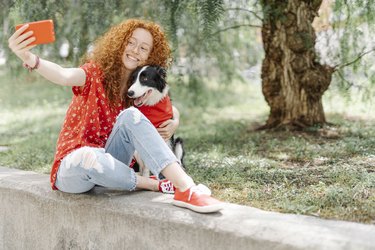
[(130, 93)]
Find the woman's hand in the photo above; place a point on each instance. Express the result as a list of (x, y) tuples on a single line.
[(19, 44), (167, 128)]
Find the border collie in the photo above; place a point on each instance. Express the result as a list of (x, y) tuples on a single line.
[(149, 91)]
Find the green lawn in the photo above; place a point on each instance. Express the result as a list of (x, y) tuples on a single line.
[(302, 172)]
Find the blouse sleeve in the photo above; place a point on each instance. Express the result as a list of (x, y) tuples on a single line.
[(90, 70)]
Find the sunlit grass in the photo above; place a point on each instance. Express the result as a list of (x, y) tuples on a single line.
[(301, 172), (31, 115)]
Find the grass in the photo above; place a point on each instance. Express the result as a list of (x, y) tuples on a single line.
[(301, 172), (31, 115)]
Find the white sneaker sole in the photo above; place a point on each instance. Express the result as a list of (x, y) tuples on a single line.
[(199, 209)]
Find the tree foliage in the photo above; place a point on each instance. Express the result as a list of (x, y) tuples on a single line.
[(190, 25), (348, 39), (214, 38), (76, 22), (353, 25)]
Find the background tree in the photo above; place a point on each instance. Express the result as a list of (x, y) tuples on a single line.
[(293, 82), (218, 39), (293, 78)]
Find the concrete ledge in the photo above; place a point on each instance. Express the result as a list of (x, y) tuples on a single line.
[(35, 217)]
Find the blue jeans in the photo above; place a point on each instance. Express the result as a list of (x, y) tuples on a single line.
[(86, 167)]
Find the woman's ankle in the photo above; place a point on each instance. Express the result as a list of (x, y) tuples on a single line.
[(185, 184), (178, 176)]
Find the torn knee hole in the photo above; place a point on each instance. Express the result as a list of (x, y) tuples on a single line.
[(85, 157)]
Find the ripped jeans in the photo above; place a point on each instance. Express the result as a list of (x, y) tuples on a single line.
[(86, 167)]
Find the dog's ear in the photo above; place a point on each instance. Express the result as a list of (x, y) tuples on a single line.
[(162, 72), (162, 75)]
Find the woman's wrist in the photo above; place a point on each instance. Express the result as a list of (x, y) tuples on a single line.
[(32, 63)]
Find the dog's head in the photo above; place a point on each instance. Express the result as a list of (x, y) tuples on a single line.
[(148, 85)]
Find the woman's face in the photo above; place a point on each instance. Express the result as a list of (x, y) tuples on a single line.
[(138, 49)]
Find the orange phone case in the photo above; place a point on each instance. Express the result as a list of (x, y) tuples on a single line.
[(43, 31)]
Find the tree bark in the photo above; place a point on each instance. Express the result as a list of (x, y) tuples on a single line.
[(293, 82)]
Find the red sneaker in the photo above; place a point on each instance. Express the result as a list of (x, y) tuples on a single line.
[(197, 199), (166, 187)]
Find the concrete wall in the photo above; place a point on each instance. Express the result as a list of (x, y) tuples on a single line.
[(32, 216)]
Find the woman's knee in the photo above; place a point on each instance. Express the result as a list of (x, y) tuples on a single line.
[(130, 116), (83, 157)]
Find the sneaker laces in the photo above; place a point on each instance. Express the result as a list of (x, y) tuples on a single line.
[(199, 189)]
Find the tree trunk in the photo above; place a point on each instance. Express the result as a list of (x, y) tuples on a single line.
[(292, 81)]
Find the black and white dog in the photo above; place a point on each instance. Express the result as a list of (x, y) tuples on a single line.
[(149, 91)]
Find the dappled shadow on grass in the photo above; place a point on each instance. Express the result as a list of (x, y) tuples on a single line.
[(296, 172), (238, 138)]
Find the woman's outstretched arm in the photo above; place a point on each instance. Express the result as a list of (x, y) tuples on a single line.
[(19, 44)]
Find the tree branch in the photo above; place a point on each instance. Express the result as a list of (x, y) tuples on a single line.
[(349, 84), (340, 66), (234, 27), (243, 9)]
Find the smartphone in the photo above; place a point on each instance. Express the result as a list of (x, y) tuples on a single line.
[(43, 31)]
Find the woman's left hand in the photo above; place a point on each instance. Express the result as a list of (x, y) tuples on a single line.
[(167, 128)]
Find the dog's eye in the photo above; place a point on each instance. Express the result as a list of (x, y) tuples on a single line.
[(143, 78)]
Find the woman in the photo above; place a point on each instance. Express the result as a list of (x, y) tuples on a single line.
[(97, 142)]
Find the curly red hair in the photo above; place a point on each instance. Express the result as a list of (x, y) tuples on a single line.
[(109, 48)]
